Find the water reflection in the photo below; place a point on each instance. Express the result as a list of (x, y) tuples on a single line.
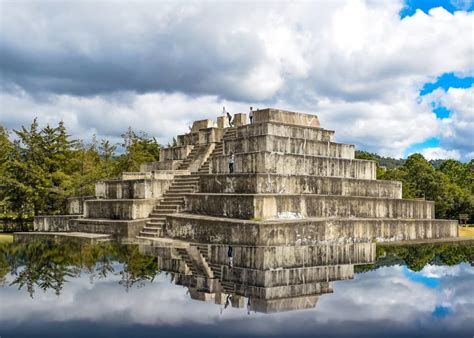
[(373, 290), (47, 265), (260, 279)]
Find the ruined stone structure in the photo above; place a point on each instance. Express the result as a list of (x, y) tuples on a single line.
[(298, 211), (292, 184), (264, 279)]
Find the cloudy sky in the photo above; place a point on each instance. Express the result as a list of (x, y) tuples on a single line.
[(393, 77), (436, 302)]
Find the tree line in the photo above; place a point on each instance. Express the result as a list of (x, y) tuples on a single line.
[(449, 183), (42, 166)]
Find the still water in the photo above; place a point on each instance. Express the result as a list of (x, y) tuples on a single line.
[(72, 289)]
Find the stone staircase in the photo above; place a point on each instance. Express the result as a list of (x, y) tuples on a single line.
[(206, 166), (172, 202), (187, 161), (227, 287), (193, 267), (230, 133)]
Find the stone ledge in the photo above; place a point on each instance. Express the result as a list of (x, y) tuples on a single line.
[(250, 183), (119, 209), (117, 228), (288, 117), (265, 206), (295, 164), (92, 238), (290, 145), (309, 231)]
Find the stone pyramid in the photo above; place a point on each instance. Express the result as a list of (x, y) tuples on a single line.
[(292, 183)]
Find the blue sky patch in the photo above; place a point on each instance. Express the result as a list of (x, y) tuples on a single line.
[(441, 311), (417, 148), (446, 81), (425, 5), (441, 112), (417, 277)]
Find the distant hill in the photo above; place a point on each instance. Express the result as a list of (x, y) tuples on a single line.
[(387, 162), (390, 162)]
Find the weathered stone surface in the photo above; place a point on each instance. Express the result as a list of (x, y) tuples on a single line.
[(283, 304), (291, 164), (175, 153), (288, 276), (281, 144), (240, 119), (286, 117), (123, 209), (202, 124), (163, 165), (196, 228), (75, 205), (297, 184), (132, 189), (260, 206), (210, 135), (53, 223), (278, 292), (201, 136), (116, 228), (285, 130), (222, 122), (296, 257)]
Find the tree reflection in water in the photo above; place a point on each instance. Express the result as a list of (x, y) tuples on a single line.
[(416, 257), (49, 264)]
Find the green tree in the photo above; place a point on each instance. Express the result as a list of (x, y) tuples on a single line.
[(139, 148)]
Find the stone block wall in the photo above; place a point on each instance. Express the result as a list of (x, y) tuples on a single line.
[(57, 223), (119, 209), (175, 153), (260, 206), (298, 232), (291, 164), (297, 184), (132, 189), (279, 129), (286, 117), (281, 144), (269, 258)]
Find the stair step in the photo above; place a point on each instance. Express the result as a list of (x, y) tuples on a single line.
[(166, 207), (169, 198), (170, 204), (168, 211), (158, 215), (155, 223), (149, 234), (151, 228), (177, 194)]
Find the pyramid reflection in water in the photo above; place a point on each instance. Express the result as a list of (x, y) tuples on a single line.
[(262, 278)]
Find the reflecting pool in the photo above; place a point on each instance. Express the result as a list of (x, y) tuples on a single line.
[(75, 289)]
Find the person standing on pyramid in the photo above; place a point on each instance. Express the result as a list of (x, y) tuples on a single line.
[(251, 115), (230, 119), (231, 163)]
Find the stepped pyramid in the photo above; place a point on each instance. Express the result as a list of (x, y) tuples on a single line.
[(274, 278), (292, 184)]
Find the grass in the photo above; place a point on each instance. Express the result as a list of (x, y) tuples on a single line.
[(6, 238), (466, 231)]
